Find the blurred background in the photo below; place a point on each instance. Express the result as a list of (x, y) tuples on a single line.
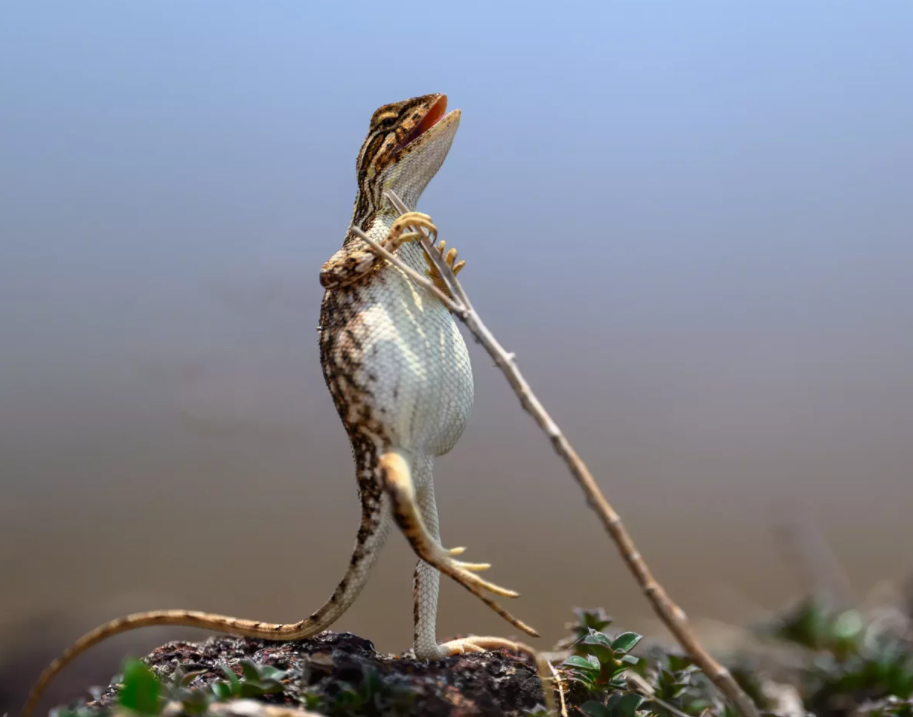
[(691, 222)]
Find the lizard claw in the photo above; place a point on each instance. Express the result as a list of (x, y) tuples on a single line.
[(474, 567), (398, 235), (469, 566), (464, 573), (449, 259)]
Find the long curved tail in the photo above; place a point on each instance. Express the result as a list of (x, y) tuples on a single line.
[(375, 525)]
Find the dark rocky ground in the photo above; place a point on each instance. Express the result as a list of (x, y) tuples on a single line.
[(339, 669), (343, 674), (812, 659)]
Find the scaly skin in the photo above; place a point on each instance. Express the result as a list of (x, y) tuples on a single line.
[(399, 373)]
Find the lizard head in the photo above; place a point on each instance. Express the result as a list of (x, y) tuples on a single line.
[(406, 145)]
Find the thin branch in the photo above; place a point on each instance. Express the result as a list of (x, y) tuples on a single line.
[(559, 682), (545, 671), (413, 274), (672, 616)]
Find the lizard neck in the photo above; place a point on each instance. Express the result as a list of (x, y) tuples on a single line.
[(374, 213)]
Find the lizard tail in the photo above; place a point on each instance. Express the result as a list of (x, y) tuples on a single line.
[(371, 537)]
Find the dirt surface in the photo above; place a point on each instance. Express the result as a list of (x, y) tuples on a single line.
[(322, 668)]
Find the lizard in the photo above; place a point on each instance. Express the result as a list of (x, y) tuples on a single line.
[(400, 378)]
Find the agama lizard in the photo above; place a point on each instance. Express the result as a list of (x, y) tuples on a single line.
[(400, 376)]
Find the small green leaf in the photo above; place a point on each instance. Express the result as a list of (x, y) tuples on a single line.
[(222, 690), (587, 679), (591, 619), (630, 659), (678, 663), (597, 654), (251, 688), (141, 689), (595, 709), (588, 663), (626, 641), (597, 638), (268, 672), (232, 679), (628, 704), (249, 670), (848, 625)]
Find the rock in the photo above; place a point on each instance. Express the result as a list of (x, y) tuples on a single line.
[(333, 672)]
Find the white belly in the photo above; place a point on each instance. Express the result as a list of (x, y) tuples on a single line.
[(415, 361)]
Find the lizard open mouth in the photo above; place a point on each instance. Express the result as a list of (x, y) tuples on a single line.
[(435, 114)]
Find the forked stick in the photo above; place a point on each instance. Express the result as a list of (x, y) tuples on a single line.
[(672, 616)]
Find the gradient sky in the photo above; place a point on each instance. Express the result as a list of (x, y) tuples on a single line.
[(691, 221)]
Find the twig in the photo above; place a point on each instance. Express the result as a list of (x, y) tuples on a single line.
[(559, 682), (545, 671), (672, 616)]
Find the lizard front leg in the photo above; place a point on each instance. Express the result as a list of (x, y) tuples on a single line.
[(356, 260), (397, 481)]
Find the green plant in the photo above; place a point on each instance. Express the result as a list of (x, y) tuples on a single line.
[(371, 695), (850, 660), (141, 692), (255, 680), (618, 705), (599, 663)]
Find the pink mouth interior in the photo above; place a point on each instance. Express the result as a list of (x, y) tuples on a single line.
[(435, 115)]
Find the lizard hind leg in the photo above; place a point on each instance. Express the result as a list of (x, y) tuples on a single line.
[(426, 586), (396, 475)]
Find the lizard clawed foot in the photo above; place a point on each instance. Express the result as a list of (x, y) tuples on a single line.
[(442, 559), (398, 485), (449, 259), (482, 644), (465, 575), (397, 236)]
